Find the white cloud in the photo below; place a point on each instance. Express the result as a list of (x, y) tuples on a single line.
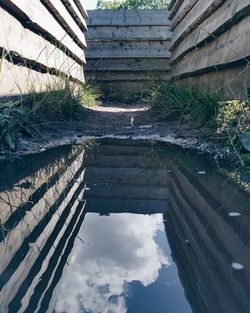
[(119, 249)]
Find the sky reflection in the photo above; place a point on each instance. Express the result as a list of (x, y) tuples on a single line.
[(120, 249)]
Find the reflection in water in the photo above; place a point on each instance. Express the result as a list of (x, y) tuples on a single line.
[(83, 231), (123, 250)]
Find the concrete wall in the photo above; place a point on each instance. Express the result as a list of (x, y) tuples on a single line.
[(127, 48), (40, 41), (211, 45)]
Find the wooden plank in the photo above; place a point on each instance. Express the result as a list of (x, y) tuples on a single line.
[(138, 64), (197, 217), (128, 49), (201, 11), (19, 80), (128, 33), (232, 83), (128, 17), (12, 286), (80, 6), (232, 46), (208, 208), (186, 7), (29, 13), (118, 161), (76, 14), (127, 75), (174, 7), (63, 17), (126, 192), (123, 88), (133, 206), (15, 38), (220, 21), (15, 237), (17, 196), (134, 176), (171, 4)]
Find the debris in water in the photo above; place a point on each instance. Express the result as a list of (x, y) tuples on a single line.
[(237, 266), (234, 214), (202, 172)]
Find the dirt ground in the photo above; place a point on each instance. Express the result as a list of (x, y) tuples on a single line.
[(113, 120)]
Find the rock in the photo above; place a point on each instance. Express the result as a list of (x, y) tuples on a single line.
[(245, 140)]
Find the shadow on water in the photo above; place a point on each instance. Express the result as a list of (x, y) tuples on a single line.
[(127, 226)]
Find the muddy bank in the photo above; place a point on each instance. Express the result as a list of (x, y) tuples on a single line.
[(114, 121)]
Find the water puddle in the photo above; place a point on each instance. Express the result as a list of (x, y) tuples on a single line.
[(123, 226)]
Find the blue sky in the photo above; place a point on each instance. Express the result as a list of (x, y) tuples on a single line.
[(90, 4)]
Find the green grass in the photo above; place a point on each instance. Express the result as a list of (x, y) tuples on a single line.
[(89, 96), (121, 98), (246, 159), (41, 108), (173, 102), (222, 121)]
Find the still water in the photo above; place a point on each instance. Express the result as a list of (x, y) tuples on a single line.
[(123, 226)]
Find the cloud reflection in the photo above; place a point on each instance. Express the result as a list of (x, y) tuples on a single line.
[(119, 249)]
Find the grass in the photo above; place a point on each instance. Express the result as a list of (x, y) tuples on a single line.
[(173, 102), (89, 95), (222, 121), (21, 116), (114, 96)]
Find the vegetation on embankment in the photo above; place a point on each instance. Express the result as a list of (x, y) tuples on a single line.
[(23, 116), (221, 121)]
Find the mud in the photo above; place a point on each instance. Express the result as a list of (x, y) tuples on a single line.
[(114, 121)]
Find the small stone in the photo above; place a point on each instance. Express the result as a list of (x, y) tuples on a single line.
[(145, 126), (237, 266), (233, 214), (202, 173)]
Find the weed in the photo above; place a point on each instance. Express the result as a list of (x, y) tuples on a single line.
[(168, 100), (89, 95), (233, 116), (204, 107), (45, 107), (246, 159), (51, 105), (173, 102), (222, 121), (114, 96), (12, 118)]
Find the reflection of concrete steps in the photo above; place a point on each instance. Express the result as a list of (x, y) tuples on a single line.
[(105, 206), (125, 178), (121, 175), (36, 234), (202, 235), (40, 228)]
